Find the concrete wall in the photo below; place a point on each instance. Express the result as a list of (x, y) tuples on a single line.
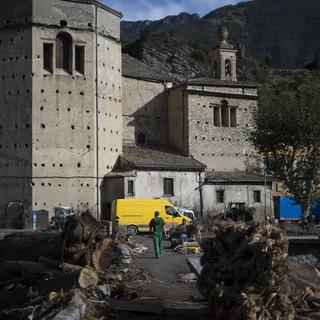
[(51, 124), (149, 184), (236, 193), (144, 111)]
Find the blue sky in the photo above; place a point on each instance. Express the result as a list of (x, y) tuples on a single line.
[(157, 9)]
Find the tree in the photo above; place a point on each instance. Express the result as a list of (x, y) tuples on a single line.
[(287, 133)]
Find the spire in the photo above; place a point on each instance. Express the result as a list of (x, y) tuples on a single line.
[(224, 60)]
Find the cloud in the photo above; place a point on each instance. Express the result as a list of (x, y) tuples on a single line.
[(157, 9), (160, 10)]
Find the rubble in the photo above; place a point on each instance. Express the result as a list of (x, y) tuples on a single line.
[(52, 275), (245, 273), (189, 278)]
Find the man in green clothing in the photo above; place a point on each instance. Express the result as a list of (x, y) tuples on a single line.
[(156, 230)]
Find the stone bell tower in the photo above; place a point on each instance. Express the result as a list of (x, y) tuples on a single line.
[(223, 58)]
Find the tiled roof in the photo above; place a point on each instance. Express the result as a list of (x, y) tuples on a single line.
[(120, 174), (159, 159), (134, 68), (236, 176), (222, 83)]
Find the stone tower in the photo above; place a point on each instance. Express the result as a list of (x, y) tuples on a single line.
[(60, 102), (224, 59), (210, 118)]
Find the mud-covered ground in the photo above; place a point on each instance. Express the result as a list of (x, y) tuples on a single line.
[(166, 286)]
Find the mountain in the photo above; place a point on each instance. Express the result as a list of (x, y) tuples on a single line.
[(130, 31), (183, 59), (285, 32)]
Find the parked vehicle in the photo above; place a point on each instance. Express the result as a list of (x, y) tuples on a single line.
[(239, 211), (61, 216), (188, 213), (136, 214)]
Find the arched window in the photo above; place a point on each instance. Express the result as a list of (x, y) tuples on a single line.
[(64, 52), (225, 113), (141, 138), (228, 68)]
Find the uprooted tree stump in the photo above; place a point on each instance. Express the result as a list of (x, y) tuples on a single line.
[(245, 273)]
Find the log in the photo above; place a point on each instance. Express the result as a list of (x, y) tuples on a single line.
[(39, 291), (88, 278), (23, 247), (245, 273)]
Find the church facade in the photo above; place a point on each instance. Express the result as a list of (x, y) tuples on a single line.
[(81, 124)]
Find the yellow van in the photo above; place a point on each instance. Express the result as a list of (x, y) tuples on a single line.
[(136, 214)]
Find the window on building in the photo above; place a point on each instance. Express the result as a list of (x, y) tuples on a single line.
[(48, 57), (233, 117), (217, 116), (225, 114), (64, 52), (79, 59), (168, 187), (130, 190), (228, 68), (256, 196), (220, 196), (141, 139)]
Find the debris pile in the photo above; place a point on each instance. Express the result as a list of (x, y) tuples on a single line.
[(55, 275), (245, 273)]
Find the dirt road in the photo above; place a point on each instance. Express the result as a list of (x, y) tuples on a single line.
[(167, 286)]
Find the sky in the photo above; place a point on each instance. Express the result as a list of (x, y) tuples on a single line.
[(157, 9)]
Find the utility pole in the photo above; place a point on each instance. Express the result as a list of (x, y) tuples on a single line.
[(265, 189)]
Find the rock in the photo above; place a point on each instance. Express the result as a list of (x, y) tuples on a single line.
[(189, 277)]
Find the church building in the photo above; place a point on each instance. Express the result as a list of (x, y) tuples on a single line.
[(207, 120), (82, 125)]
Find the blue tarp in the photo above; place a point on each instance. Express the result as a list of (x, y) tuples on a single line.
[(287, 209)]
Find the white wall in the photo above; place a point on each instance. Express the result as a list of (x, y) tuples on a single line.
[(186, 192), (236, 193)]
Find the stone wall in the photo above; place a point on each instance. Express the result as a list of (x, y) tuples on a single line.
[(15, 112), (192, 126), (144, 111), (58, 122), (178, 120), (220, 148)]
